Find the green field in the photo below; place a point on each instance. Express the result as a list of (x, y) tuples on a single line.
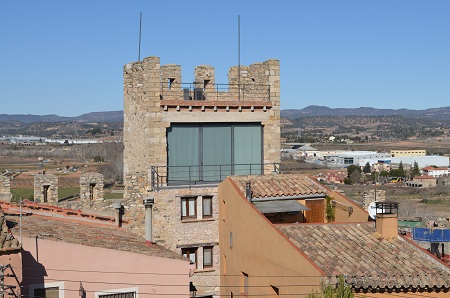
[(113, 196), (28, 193)]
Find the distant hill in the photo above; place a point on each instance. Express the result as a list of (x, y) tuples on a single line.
[(310, 111), (113, 116), (313, 110)]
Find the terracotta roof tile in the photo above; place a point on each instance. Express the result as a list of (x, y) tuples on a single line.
[(82, 232), (364, 259), (265, 186)]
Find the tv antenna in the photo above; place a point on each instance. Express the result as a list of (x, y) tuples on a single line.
[(140, 31), (239, 58)]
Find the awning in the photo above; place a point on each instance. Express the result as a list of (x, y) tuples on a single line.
[(279, 206)]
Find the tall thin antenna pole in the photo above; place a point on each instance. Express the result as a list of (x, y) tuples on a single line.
[(140, 31), (239, 58)]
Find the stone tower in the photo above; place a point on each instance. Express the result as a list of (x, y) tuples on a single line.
[(182, 138)]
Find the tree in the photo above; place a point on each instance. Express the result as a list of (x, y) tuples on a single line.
[(384, 173), (415, 170), (341, 290), (329, 209), (367, 168), (351, 169), (401, 169)]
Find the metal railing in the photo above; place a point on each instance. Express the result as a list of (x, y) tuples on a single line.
[(214, 92), (189, 176)]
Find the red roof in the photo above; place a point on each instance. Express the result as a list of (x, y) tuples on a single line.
[(75, 226), (356, 252), (264, 186)]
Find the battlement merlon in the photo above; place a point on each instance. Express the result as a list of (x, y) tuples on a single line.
[(257, 82)]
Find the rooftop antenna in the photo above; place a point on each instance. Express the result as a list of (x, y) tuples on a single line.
[(140, 31), (239, 58)]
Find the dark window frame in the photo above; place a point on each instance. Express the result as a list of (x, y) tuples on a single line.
[(209, 198), (188, 251), (212, 257), (185, 201)]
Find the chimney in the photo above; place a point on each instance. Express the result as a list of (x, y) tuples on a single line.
[(248, 191), (148, 203), (118, 207), (387, 219)]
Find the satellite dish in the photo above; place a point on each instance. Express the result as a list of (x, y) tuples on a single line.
[(372, 210)]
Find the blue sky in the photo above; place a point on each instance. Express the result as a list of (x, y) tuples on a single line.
[(66, 57)]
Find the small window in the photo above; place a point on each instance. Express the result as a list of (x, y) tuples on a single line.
[(231, 239), (207, 256), (189, 207), (224, 265), (207, 206), (191, 254), (52, 292), (244, 283), (170, 83), (223, 210), (119, 295), (275, 292)]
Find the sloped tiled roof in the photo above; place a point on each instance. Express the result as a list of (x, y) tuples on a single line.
[(424, 177), (82, 232), (266, 186), (429, 168), (365, 260)]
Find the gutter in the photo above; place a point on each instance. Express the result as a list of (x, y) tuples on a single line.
[(286, 198)]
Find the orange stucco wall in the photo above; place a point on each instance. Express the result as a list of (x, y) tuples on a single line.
[(260, 251), (66, 265), (358, 214)]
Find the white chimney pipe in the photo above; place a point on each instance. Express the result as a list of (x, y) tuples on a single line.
[(117, 207), (148, 203)]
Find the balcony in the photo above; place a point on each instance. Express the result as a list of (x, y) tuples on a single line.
[(215, 92), (203, 175)]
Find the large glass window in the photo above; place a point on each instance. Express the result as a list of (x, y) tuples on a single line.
[(210, 152), (183, 153)]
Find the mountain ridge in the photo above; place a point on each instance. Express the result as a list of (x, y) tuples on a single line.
[(442, 113), (316, 110)]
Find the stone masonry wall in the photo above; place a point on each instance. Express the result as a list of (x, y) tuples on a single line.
[(172, 232), (145, 130), (5, 188), (46, 182), (88, 179), (369, 197)]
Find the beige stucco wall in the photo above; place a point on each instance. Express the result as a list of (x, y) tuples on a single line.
[(259, 250), (66, 265)]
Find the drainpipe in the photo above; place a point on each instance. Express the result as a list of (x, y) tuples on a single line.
[(148, 203), (248, 191), (117, 206)]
